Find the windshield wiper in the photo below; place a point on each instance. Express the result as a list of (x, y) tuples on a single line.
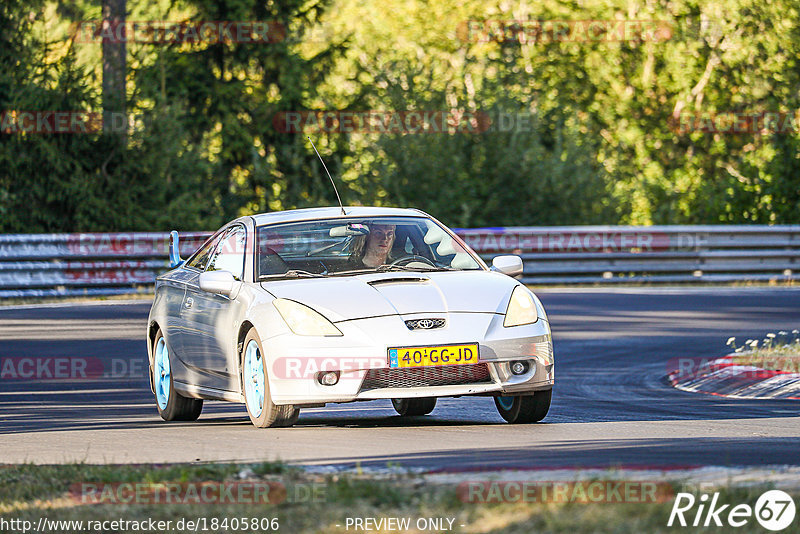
[(353, 271), (386, 267), (292, 273)]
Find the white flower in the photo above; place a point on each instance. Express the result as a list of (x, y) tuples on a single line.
[(748, 341), (783, 333), (795, 331), (754, 343), (731, 341), (770, 335)]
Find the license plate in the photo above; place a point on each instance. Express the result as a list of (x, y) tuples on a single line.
[(433, 356)]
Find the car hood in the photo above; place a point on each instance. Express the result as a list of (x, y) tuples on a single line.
[(398, 293)]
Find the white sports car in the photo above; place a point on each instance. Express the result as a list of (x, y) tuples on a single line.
[(294, 309)]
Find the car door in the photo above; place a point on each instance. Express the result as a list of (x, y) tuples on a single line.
[(209, 317), (172, 290), (181, 335)]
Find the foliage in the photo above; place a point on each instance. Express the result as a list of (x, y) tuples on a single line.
[(779, 351), (598, 144)]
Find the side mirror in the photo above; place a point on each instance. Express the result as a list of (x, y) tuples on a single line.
[(174, 250), (218, 282), (510, 265)]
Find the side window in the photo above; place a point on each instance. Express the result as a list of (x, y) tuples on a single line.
[(200, 258), (229, 256)]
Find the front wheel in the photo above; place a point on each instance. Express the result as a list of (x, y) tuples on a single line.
[(262, 411), (172, 406), (422, 406), (524, 408)]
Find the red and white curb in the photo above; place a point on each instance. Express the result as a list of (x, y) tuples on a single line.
[(726, 378)]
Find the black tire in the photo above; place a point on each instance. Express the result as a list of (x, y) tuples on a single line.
[(525, 408), (178, 408), (271, 415), (409, 407)]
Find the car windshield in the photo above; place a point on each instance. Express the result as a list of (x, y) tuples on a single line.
[(339, 247)]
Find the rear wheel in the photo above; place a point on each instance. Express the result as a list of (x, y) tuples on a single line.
[(524, 408), (172, 406), (422, 406), (262, 411)]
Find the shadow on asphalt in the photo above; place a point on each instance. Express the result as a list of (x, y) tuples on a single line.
[(108, 404), (630, 453)]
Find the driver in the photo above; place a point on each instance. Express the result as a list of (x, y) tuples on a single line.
[(373, 249)]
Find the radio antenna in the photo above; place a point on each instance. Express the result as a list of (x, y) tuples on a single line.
[(329, 175)]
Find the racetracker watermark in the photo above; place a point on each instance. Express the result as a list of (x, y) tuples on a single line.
[(685, 369), (128, 244), (736, 122), (563, 31), (78, 122), (70, 368), (50, 122), (204, 492), (382, 122), (404, 122), (491, 240), (578, 492), (172, 32), (373, 371), (304, 367)]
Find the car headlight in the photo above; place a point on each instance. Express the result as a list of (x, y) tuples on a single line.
[(521, 308), (304, 321)]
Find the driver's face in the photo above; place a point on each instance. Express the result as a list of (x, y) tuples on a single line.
[(381, 238)]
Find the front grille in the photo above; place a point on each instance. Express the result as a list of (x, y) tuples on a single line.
[(413, 377), (424, 324)]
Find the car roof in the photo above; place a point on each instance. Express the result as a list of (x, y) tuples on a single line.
[(310, 214)]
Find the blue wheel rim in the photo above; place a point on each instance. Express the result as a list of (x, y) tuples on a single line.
[(161, 373), (254, 378), (505, 403)]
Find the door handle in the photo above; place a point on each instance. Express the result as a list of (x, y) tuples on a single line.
[(189, 303)]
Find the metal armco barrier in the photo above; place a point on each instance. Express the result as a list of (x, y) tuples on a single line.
[(660, 254), (119, 263), (48, 265)]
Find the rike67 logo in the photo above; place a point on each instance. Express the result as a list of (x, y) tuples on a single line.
[(774, 510)]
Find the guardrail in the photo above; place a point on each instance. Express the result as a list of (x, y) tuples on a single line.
[(660, 254), (107, 264), (52, 265)]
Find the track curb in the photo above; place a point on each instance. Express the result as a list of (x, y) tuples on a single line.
[(724, 377)]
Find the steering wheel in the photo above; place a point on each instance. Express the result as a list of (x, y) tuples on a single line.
[(408, 259)]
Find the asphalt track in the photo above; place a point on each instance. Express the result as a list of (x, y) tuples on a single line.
[(611, 405)]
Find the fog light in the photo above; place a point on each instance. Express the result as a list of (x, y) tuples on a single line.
[(519, 368), (328, 378)]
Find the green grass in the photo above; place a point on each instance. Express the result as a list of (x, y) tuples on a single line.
[(779, 352), (29, 492), (789, 363)]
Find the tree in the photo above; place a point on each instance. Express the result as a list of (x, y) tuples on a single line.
[(114, 61)]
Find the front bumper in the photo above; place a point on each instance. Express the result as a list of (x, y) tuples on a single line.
[(361, 357)]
